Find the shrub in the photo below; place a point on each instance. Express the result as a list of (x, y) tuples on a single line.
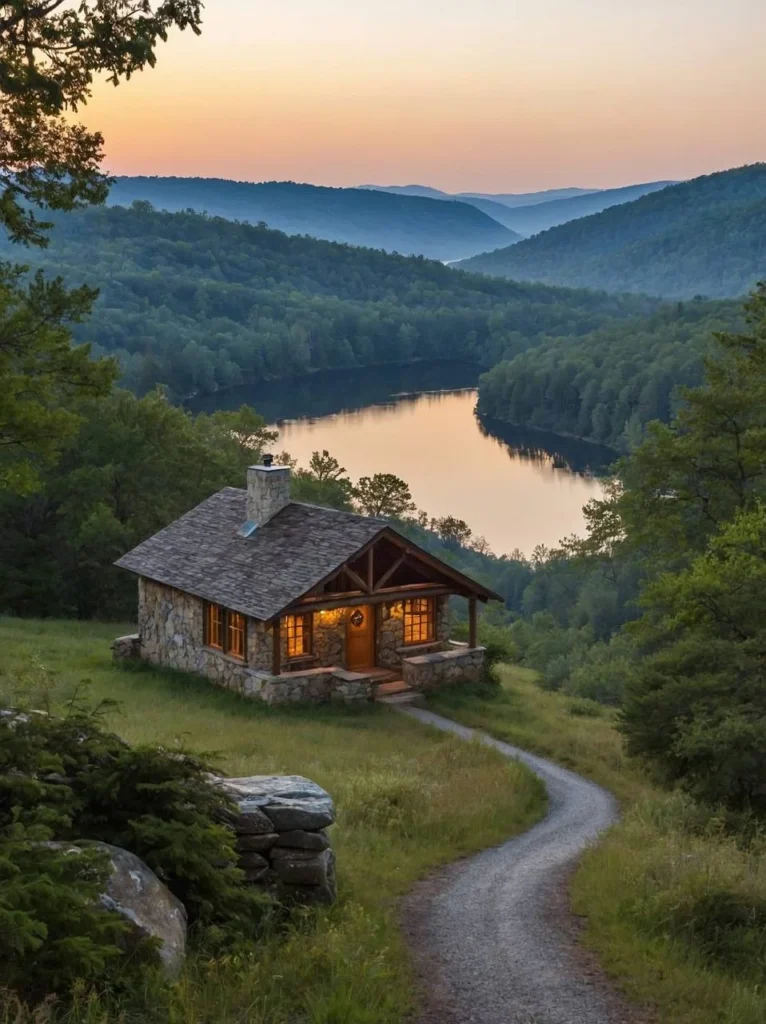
[(52, 928), (585, 708), (67, 779), (556, 673)]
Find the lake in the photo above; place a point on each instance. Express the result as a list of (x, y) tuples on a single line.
[(516, 487)]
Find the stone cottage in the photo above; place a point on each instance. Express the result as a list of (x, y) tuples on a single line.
[(284, 601)]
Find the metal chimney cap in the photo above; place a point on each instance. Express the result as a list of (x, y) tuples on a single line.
[(267, 460)]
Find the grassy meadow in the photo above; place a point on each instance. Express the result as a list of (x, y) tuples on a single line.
[(674, 899), (409, 799)]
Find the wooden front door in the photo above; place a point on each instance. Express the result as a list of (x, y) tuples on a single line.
[(360, 638)]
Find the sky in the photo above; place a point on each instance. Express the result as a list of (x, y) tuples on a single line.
[(464, 95)]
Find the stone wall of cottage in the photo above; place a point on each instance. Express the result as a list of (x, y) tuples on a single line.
[(170, 627), (437, 669)]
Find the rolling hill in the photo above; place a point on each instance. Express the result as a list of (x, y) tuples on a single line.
[(497, 211), (411, 225), (198, 303), (705, 236)]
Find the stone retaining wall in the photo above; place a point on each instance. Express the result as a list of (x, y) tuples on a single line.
[(282, 841), (431, 671)]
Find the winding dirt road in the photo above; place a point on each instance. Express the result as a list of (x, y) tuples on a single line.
[(492, 937)]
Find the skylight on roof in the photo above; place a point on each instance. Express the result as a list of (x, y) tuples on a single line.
[(247, 529)]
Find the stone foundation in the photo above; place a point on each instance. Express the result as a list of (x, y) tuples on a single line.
[(442, 668), (281, 834), (170, 633)]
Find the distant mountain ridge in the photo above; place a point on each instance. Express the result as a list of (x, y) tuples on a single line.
[(497, 210), (705, 236), (516, 199), (530, 220), (411, 225)]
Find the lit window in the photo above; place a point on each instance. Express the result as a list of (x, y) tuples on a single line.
[(214, 626), (225, 631), (298, 632), (235, 635), (419, 620)]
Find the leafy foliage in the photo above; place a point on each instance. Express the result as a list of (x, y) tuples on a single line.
[(609, 385), (49, 54), (41, 373), (133, 466), (53, 931), (66, 779)]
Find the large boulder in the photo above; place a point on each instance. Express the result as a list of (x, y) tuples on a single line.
[(134, 891), (288, 802)]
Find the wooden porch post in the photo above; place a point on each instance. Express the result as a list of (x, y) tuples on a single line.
[(276, 648), (472, 622)]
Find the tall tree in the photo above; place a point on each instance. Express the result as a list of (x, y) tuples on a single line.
[(50, 51), (384, 494)]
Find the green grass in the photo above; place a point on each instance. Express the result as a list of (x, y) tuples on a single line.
[(409, 799), (674, 903)]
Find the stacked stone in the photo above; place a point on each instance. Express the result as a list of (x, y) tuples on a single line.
[(430, 671), (280, 825)]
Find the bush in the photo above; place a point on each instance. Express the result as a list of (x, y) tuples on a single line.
[(67, 779), (585, 708), (556, 673)]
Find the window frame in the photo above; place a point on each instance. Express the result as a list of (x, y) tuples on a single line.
[(306, 633), (428, 616), (224, 625)]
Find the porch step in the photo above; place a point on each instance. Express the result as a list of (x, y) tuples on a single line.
[(395, 691)]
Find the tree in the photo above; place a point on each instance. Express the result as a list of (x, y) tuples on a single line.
[(41, 374), (383, 494), (451, 530), (49, 52), (325, 466), (696, 704), (133, 466)]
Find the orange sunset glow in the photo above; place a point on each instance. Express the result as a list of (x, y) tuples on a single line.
[(493, 95)]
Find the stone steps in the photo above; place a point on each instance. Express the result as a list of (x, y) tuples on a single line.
[(395, 691)]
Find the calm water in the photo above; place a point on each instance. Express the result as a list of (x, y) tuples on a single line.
[(516, 487)]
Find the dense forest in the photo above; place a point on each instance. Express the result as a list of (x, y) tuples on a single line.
[(410, 225), (198, 303), (608, 385), (702, 237)]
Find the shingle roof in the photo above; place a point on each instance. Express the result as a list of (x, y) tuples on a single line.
[(200, 553)]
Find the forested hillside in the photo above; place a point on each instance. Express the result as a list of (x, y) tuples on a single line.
[(544, 214), (496, 210), (197, 303), (706, 236), (608, 385), (407, 224)]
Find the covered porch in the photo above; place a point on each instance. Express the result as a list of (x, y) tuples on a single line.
[(388, 604)]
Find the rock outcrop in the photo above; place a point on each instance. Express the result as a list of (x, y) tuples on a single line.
[(281, 839), (134, 891)]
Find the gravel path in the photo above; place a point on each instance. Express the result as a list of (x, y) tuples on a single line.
[(492, 936)]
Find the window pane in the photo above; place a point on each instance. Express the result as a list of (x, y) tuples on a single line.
[(236, 635), (418, 620), (298, 631), (214, 626)]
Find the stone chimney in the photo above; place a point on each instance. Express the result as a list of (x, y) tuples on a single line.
[(268, 490)]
